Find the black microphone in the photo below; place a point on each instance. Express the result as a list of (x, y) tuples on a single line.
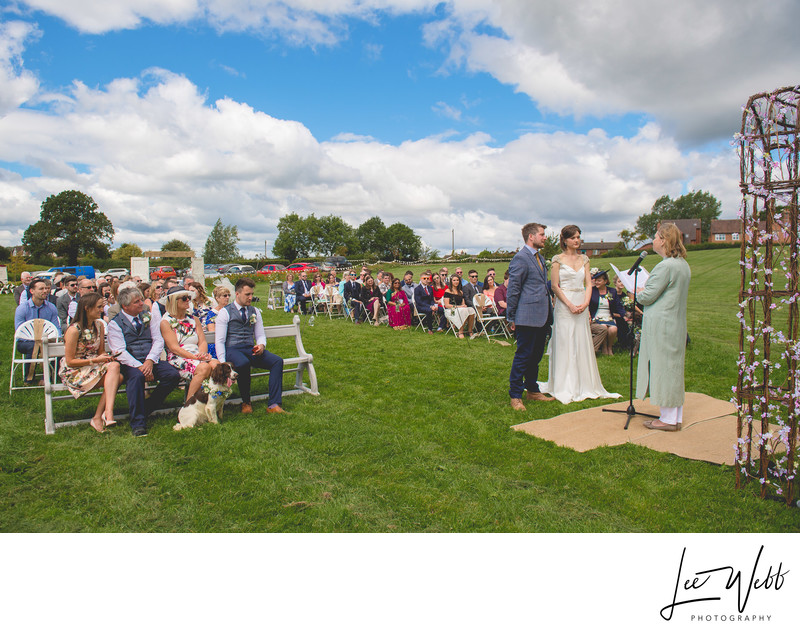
[(638, 262)]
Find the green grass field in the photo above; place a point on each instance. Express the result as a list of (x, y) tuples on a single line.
[(411, 433)]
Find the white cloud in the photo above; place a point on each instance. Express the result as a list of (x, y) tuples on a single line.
[(17, 85), (448, 111)]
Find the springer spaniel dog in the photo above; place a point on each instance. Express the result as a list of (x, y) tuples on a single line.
[(207, 403)]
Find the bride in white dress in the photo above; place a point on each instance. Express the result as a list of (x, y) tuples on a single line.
[(573, 374)]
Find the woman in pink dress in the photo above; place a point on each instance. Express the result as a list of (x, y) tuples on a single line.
[(398, 307)]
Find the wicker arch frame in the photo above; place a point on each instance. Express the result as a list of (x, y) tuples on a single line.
[(768, 388)]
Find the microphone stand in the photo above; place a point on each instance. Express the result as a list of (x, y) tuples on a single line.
[(631, 411)]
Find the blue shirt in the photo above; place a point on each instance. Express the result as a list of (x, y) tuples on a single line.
[(27, 310)]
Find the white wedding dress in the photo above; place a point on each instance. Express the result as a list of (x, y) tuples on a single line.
[(573, 374)]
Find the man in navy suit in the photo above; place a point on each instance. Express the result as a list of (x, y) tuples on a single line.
[(529, 313), (423, 298), (302, 289)]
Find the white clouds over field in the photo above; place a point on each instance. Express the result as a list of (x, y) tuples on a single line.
[(164, 161)]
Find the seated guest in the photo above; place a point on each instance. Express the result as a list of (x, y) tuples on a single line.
[(289, 299), (302, 291), (490, 291), (628, 323), (51, 297), (187, 281), (383, 282), (444, 276), (240, 339), (116, 286), (185, 341), (85, 286), (63, 302), (604, 307), (35, 307), (426, 304), (456, 309), (439, 286), (86, 363), (352, 295), (471, 288), (21, 291), (154, 295), (104, 289), (201, 303), (371, 298), (388, 280), (169, 283), (222, 296), (318, 289), (134, 337), (398, 307), (500, 295), (332, 280)]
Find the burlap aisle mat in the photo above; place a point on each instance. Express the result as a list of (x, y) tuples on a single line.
[(708, 432)]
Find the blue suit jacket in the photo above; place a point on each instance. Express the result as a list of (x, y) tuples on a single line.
[(424, 301), (528, 300)]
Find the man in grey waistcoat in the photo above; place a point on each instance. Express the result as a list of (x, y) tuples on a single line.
[(239, 338), (135, 336)]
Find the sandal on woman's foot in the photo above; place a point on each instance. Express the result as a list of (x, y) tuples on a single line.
[(107, 423), (94, 427), (460, 336)]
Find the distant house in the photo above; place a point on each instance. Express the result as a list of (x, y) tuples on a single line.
[(596, 248), (729, 231), (690, 229), (18, 250)]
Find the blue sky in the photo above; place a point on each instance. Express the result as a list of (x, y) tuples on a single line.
[(466, 115)]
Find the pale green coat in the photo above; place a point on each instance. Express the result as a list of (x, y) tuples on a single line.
[(663, 347)]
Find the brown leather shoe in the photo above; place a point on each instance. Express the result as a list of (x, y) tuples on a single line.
[(517, 404), (538, 396), (276, 410), (247, 408)]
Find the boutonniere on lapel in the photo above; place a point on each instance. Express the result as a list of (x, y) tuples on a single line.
[(252, 319), (146, 317)]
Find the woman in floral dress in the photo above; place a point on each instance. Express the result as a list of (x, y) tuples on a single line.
[(86, 364), (184, 340)]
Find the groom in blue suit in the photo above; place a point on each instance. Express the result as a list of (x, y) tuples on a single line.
[(529, 313)]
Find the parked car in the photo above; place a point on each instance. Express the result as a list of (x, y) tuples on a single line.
[(116, 272), (210, 270), (76, 270), (161, 272), (302, 267), (270, 268), (333, 263), (237, 269)]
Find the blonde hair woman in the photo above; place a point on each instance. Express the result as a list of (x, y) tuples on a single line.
[(662, 351), (184, 340)]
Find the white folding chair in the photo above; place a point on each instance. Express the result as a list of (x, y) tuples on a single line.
[(319, 302), (336, 306), (275, 298), (491, 321), (33, 330)]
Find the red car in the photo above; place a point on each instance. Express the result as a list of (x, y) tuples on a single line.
[(268, 269), (302, 267), (162, 272)]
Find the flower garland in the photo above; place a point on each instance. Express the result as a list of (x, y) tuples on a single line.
[(767, 396)]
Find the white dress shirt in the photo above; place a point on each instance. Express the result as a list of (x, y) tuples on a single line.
[(116, 339), (221, 330)]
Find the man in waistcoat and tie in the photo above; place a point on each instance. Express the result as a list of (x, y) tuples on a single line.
[(529, 313), (135, 338), (239, 339)]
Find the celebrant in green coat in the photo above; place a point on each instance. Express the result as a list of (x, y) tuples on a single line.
[(663, 347)]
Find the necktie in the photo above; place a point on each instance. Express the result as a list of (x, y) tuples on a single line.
[(244, 315), (138, 324), (539, 261)]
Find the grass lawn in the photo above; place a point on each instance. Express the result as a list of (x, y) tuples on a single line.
[(411, 433)]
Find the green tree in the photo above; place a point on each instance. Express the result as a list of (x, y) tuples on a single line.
[(5, 253), (336, 236), (630, 239), (176, 245), (70, 225), (222, 244), (371, 236), (695, 205), (124, 252), (292, 241), (552, 246), (401, 243)]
